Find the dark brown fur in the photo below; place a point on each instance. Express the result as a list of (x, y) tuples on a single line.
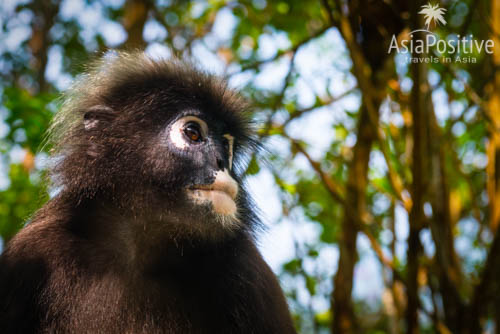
[(117, 250)]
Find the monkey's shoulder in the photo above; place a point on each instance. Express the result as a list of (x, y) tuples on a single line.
[(24, 269), (47, 272), (39, 241)]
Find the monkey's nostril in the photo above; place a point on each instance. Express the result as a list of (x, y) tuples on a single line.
[(220, 163)]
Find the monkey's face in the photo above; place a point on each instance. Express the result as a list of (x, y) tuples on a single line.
[(206, 153), (190, 159)]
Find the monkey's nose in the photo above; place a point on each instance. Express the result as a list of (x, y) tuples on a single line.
[(224, 182)]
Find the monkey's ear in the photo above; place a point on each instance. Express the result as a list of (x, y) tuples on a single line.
[(95, 116)]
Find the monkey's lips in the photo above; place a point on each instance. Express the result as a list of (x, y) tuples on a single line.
[(221, 194)]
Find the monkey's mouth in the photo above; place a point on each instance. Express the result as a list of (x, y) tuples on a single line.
[(227, 189), (221, 193)]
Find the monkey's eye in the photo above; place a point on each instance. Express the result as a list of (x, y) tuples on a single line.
[(193, 131)]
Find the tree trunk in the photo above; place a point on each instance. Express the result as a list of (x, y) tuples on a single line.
[(344, 319), (419, 177), (449, 271), (134, 18), (493, 149), (45, 13)]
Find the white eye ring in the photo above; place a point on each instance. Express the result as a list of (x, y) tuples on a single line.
[(177, 135)]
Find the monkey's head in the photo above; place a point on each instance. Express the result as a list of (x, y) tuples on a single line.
[(157, 139)]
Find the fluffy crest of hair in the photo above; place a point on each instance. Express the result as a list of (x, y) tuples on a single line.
[(118, 80), (106, 76)]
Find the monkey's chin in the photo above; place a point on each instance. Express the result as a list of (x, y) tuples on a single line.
[(222, 203)]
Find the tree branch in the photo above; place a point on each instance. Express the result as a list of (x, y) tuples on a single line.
[(279, 54)]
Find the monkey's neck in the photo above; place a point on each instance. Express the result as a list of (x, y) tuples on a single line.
[(143, 243)]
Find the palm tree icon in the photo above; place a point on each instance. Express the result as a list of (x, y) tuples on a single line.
[(433, 13)]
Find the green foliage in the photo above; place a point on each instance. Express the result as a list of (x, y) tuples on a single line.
[(28, 117), (24, 195), (253, 166)]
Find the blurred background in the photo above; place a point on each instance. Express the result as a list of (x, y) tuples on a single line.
[(380, 185)]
